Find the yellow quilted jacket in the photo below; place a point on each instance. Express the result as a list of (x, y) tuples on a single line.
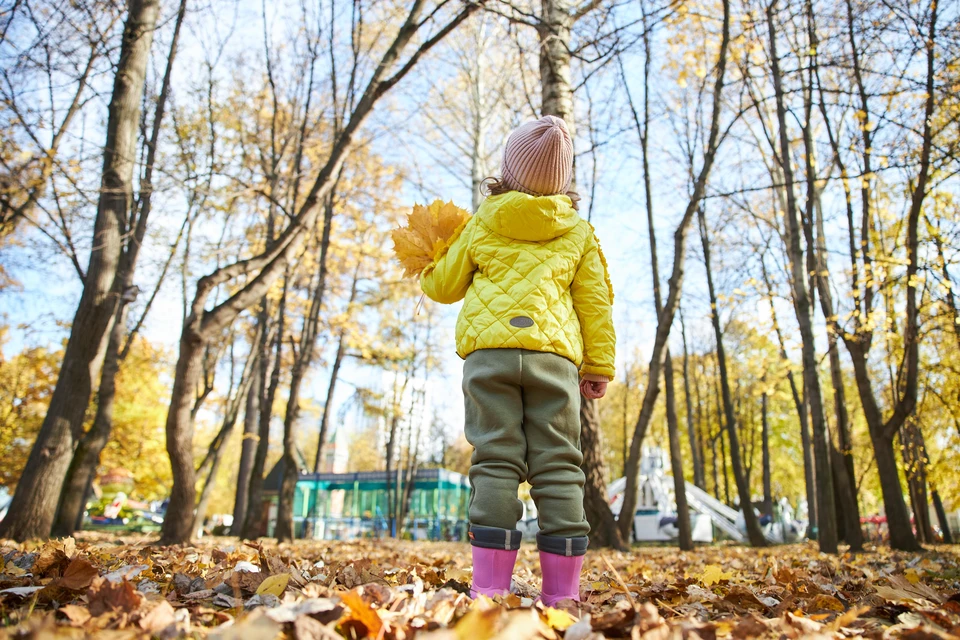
[(532, 276)]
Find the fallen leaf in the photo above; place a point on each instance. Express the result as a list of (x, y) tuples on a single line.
[(824, 602), (158, 618), (324, 609), (362, 613), (77, 615), (714, 574), (558, 619), (481, 623), (274, 585), (255, 626), (306, 628), (106, 596), (129, 572), (78, 575)]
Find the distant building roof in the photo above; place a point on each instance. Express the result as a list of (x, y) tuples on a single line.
[(271, 483)]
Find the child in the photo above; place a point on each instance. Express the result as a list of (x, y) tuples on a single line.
[(536, 327)]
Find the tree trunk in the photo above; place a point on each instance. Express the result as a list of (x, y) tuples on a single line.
[(685, 535), (248, 448), (699, 475), (723, 441), (556, 89), (754, 533), (178, 523), (413, 463), (388, 468), (86, 457), (765, 438), (674, 288), (673, 428), (603, 526), (847, 507), (308, 341), (945, 532), (809, 472), (884, 430), (211, 463), (915, 463), (261, 271), (557, 100), (827, 532), (325, 415), (35, 502), (252, 525)]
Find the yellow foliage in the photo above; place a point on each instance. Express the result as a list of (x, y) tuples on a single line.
[(137, 444), (429, 231), (713, 574), (26, 384)]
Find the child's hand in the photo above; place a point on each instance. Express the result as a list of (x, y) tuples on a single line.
[(593, 390)]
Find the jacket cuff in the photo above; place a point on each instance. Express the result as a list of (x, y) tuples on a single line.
[(604, 374), (593, 377)]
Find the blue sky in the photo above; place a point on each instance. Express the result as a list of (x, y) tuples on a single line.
[(50, 288)]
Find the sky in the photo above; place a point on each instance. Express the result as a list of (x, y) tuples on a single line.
[(50, 288)]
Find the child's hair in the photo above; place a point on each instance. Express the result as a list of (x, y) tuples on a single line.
[(496, 186)]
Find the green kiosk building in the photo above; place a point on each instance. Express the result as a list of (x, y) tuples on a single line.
[(347, 506)]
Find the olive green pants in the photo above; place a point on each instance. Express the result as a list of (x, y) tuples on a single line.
[(523, 420)]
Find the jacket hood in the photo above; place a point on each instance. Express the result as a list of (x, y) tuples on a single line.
[(529, 218)]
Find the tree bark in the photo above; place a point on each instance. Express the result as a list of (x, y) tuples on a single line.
[(248, 448), (765, 438), (699, 475), (308, 340), (335, 372), (915, 462), (86, 457), (673, 428), (211, 462), (685, 535), (827, 531), (252, 524), (34, 505), (556, 94), (554, 27), (603, 525), (754, 533), (809, 476), (674, 288), (202, 325), (945, 532), (388, 466), (884, 430)]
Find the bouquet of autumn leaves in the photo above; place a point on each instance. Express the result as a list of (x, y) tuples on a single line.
[(427, 235)]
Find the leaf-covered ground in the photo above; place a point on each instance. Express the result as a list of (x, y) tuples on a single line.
[(387, 589)]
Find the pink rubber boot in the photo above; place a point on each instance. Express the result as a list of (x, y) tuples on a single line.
[(492, 571), (561, 578)]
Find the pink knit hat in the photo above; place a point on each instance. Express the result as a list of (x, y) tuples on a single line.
[(538, 158)]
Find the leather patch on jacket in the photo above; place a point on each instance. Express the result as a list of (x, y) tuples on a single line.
[(521, 322)]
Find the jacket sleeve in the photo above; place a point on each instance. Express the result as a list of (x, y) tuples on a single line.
[(593, 303), (447, 278)]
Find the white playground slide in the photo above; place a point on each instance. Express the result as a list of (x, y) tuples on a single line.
[(654, 493)]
